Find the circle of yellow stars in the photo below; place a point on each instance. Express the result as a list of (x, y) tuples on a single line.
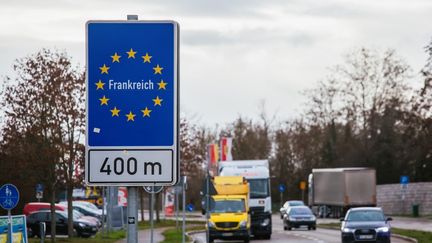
[(146, 112)]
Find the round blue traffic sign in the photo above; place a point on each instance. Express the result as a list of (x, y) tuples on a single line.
[(282, 187), (190, 207), (9, 196)]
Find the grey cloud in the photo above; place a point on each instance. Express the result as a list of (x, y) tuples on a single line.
[(247, 36)]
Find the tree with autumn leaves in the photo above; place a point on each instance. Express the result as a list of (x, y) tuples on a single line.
[(44, 119)]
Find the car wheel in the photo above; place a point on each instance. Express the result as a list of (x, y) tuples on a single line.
[(267, 237), (285, 228), (246, 240), (281, 216), (289, 228)]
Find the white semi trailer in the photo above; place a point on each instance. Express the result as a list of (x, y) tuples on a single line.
[(336, 190), (257, 174)]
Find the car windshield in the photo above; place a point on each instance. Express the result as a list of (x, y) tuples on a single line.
[(259, 188), (88, 205), (76, 214), (295, 203), (227, 206), (300, 211), (365, 215)]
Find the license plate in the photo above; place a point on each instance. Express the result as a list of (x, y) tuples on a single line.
[(227, 234), (365, 237)]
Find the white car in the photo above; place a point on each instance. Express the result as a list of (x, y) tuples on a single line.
[(287, 204)]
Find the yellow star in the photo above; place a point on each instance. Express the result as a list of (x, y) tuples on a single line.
[(130, 116), (131, 53), (104, 100), (99, 85), (104, 69), (146, 112), (115, 111), (116, 58), (162, 85), (157, 101), (146, 58), (157, 69)]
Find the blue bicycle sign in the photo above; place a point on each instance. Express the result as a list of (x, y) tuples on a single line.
[(9, 196)]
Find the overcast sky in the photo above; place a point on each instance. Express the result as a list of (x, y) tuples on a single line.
[(233, 54)]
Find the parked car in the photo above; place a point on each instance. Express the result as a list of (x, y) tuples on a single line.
[(84, 204), (288, 204), (298, 216), (37, 206), (365, 224), (87, 211), (83, 228)]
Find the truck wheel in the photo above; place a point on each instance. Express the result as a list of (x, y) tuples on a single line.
[(267, 237), (246, 240), (211, 240)]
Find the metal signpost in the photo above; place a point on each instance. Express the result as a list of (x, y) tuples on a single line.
[(132, 106), (404, 180), (303, 188), (152, 190), (282, 188), (39, 191), (9, 197)]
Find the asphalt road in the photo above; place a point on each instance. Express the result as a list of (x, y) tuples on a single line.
[(296, 235)]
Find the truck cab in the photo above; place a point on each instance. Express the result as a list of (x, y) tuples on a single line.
[(229, 209), (257, 174)]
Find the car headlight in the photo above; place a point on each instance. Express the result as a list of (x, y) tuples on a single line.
[(291, 218), (265, 222), (211, 224), (313, 218), (348, 230), (383, 229), (82, 225), (243, 224)]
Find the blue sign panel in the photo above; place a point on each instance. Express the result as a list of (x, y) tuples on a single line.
[(190, 207), (282, 187), (9, 196), (404, 180), (132, 103), (39, 187), (131, 74)]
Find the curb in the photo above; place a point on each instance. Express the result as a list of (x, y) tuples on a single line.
[(403, 237), (190, 233)]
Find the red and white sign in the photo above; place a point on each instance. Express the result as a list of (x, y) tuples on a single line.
[(169, 202), (122, 196), (226, 146)]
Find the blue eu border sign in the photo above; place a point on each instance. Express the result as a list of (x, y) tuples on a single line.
[(132, 103)]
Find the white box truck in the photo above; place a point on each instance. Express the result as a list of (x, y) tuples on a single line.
[(257, 174), (335, 190)]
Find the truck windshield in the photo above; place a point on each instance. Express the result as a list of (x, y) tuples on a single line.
[(259, 188), (227, 206)]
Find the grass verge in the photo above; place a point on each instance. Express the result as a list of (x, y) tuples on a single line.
[(173, 235), (120, 234), (420, 236)]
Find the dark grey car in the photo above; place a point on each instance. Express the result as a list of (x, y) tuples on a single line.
[(367, 224)]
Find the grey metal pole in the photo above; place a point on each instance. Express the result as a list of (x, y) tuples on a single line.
[(176, 206), (10, 233), (151, 216), (184, 210), (132, 213), (103, 211), (207, 204)]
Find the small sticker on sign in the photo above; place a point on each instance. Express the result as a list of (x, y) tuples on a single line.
[(96, 130), (131, 220)]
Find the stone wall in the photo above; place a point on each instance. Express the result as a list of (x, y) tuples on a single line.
[(395, 200)]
